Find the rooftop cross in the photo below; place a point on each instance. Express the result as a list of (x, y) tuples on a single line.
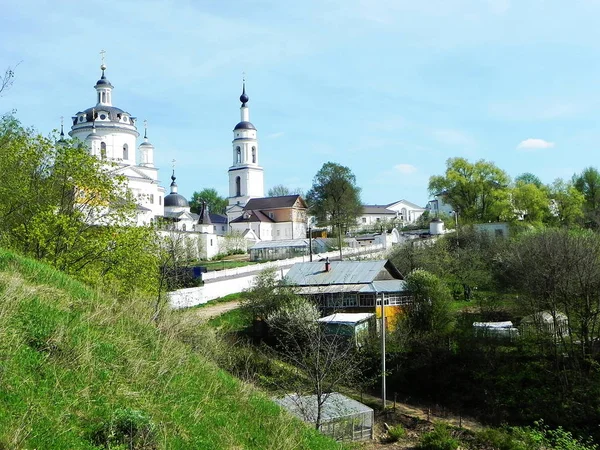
[(102, 53)]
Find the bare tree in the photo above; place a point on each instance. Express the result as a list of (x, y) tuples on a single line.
[(323, 362), (6, 80)]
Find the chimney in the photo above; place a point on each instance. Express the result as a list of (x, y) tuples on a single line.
[(327, 265)]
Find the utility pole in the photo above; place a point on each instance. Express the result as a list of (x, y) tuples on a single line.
[(383, 387), (310, 242)]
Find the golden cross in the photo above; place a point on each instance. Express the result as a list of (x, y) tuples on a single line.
[(102, 52), (173, 164)]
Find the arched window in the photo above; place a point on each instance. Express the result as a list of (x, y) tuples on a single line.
[(238, 187), (98, 97), (103, 97), (254, 154), (103, 150), (238, 155), (125, 151), (183, 227)]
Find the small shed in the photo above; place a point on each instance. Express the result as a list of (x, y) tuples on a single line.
[(342, 418), (356, 326)]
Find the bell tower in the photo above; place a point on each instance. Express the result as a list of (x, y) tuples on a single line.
[(246, 178)]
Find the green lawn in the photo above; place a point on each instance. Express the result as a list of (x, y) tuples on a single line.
[(222, 265)]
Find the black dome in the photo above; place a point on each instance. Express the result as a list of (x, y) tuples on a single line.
[(244, 126), (176, 200), (113, 113)]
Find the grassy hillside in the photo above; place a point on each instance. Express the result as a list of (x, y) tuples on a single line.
[(81, 371)]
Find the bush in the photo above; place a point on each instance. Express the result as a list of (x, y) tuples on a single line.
[(396, 433), (128, 427), (438, 439), (292, 317), (500, 439)]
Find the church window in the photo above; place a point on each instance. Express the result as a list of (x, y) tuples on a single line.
[(160, 200), (152, 198), (215, 228), (238, 155), (222, 227), (104, 97), (81, 118), (98, 97), (103, 150), (183, 227), (102, 116), (364, 219), (211, 243), (238, 187), (253, 154), (125, 151)]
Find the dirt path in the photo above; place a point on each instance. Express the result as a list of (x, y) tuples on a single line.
[(208, 312)]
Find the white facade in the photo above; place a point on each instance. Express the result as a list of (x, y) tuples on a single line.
[(111, 134), (438, 206), (246, 178), (399, 213)]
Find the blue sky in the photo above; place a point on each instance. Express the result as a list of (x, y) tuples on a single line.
[(389, 88)]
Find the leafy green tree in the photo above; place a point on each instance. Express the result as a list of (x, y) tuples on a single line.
[(531, 201), (588, 183), (280, 190), (479, 191), (567, 202), (61, 205), (429, 316), (529, 178), (266, 295), (215, 203), (334, 198)]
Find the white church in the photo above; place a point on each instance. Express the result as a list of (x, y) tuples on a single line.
[(111, 134)]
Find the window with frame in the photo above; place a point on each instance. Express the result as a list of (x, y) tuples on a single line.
[(366, 300)]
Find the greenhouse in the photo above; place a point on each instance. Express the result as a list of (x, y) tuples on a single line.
[(342, 418), (287, 248)]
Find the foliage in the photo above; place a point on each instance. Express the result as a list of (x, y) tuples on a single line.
[(479, 191), (529, 178), (266, 295), (531, 201), (214, 202), (438, 439), (65, 207), (233, 244), (428, 319), (294, 316), (567, 203), (588, 184), (76, 362), (129, 427), (280, 190), (396, 433), (334, 198)]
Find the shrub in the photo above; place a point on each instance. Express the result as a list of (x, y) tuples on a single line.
[(128, 427), (438, 439), (500, 439), (294, 316), (396, 433)]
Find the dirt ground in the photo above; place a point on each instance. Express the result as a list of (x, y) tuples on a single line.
[(208, 312)]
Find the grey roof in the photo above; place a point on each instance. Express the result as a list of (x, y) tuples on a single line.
[(336, 405), (112, 111), (384, 286), (341, 272), (378, 209), (175, 200), (244, 126), (252, 216), (218, 218), (281, 244), (284, 201)]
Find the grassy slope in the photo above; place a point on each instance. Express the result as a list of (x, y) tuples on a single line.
[(69, 358)]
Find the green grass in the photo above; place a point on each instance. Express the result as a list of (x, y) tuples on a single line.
[(221, 265), (74, 363), (230, 321), (226, 299)]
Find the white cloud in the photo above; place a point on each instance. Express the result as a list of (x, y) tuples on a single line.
[(405, 169), (534, 144)]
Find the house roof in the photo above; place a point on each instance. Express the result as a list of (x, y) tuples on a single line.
[(284, 201), (252, 216), (336, 405), (340, 273), (218, 218), (378, 209), (407, 203)]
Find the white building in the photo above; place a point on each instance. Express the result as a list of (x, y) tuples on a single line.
[(399, 213), (111, 134)]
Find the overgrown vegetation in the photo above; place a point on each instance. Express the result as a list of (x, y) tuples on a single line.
[(84, 370)]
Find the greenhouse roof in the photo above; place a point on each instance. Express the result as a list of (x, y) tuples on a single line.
[(336, 406)]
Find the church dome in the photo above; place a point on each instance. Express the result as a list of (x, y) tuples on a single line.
[(174, 200), (244, 125), (111, 113)]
